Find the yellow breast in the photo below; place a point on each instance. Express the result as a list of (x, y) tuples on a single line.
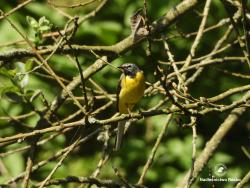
[(132, 89)]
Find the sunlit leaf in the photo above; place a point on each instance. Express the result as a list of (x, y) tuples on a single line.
[(32, 22)]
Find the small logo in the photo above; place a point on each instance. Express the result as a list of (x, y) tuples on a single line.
[(220, 170)]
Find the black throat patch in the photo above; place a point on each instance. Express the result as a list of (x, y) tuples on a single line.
[(131, 74)]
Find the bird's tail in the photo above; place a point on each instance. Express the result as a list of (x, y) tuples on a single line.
[(120, 133)]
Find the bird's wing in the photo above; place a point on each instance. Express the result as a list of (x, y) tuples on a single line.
[(121, 125), (118, 89)]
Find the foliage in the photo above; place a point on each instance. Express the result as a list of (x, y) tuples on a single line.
[(27, 88)]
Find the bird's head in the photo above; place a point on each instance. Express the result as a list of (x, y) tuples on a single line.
[(129, 69)]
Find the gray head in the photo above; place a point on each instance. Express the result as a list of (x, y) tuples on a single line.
[(129, 69)]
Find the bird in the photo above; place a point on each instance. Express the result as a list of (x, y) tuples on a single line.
[(130, 90)]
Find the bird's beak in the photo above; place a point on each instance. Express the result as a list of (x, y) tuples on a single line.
[(121, 68)]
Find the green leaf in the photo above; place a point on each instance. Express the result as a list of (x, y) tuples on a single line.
[(29, 93), (43, 21), (38, 38), (8, 73), (32, 22), (15, 82), (14, 163), (44, 25), (44, 28), (11, 88), (21, 77), (28, 65), (20, 66), (14, 97), (24, 80)]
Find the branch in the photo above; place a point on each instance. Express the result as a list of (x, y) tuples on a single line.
[(87, 180), (113, 50), (244, 180), (211, 146)]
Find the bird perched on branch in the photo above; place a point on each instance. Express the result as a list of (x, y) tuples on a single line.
[(129, 91)]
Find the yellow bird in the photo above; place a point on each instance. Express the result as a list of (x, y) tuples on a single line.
[(129, 91)]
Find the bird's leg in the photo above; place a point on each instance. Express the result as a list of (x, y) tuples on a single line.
[(129, 106)]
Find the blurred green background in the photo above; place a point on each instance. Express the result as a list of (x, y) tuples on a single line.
[(110, 25)]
